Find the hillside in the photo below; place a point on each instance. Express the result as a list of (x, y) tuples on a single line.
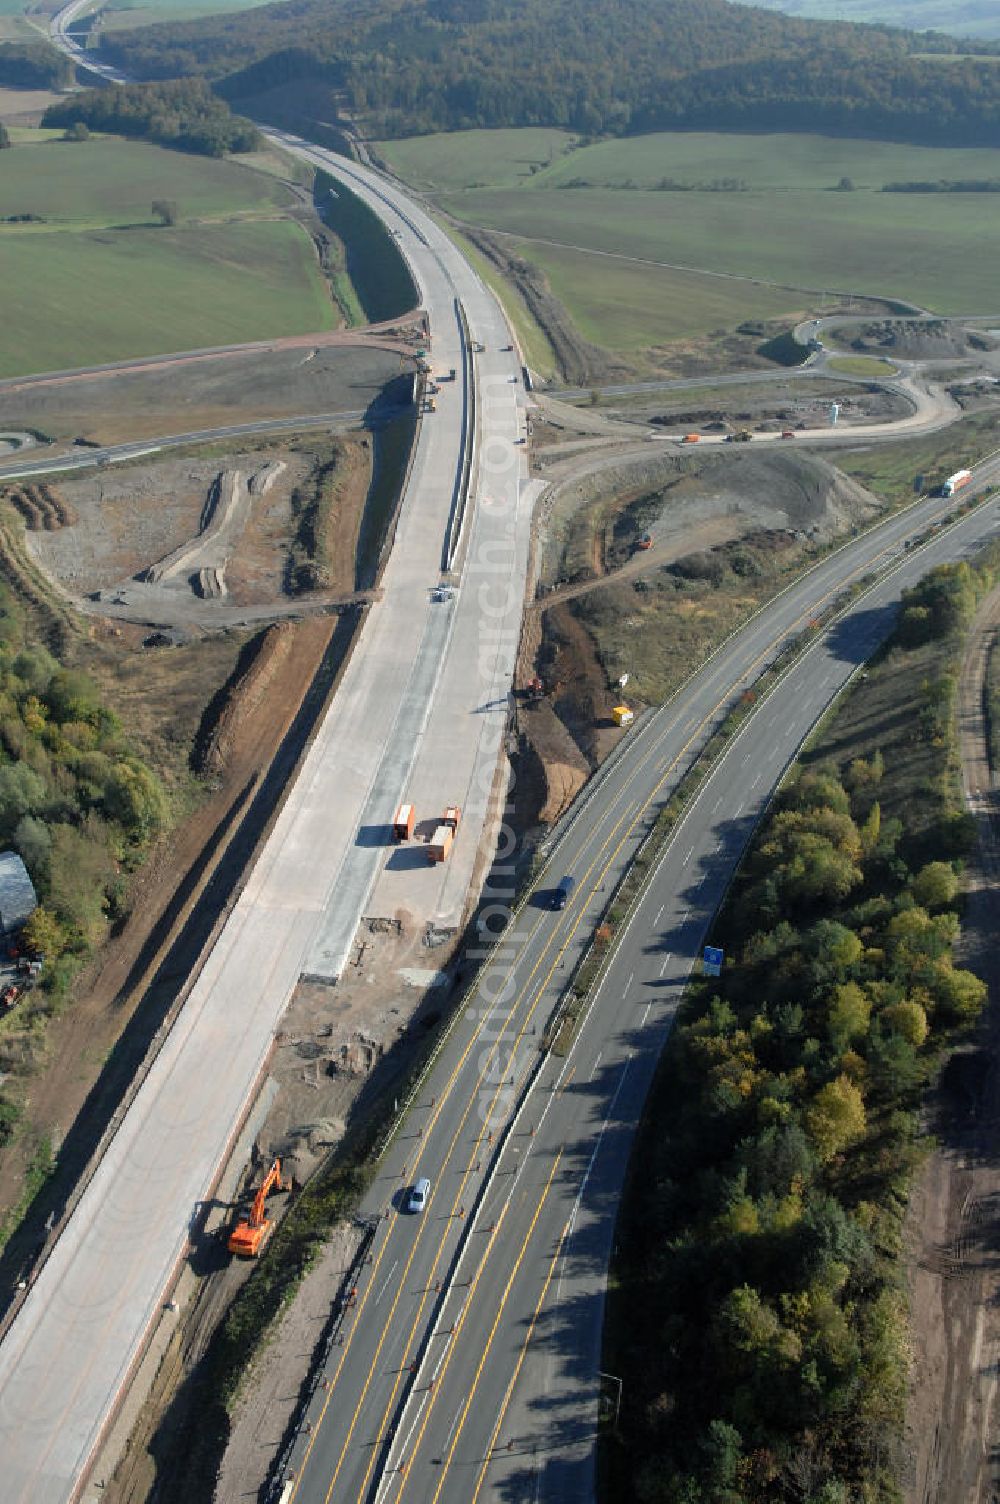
[(404, 66)]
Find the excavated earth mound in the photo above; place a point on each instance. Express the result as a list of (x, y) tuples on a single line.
[(915, 339), (773, 488)]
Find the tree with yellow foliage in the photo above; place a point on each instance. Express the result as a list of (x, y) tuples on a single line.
[(836, 1117)]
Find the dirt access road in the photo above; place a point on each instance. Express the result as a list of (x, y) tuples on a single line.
[(954, 1218), (154, 398)]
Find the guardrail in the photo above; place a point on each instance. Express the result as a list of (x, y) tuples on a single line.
[(470, 428), (282, 1481)]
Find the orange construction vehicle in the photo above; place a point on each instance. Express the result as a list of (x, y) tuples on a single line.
[(255, 1227)]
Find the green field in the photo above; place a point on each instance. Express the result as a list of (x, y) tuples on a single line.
[(475, 159), (786, 225), (503, 159), (861, 365), (84, 184), (86, 298), (628, 306), (967, 18), (121, 14), (99, 281), (944, 58), (124, 13), (937, 251), (26, 135)]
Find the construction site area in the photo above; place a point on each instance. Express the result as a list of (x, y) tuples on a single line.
[(614, 522), (218, 588)]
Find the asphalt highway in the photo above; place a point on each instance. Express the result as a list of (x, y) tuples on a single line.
[(525, 1393), (60, 32), (469, 1359)]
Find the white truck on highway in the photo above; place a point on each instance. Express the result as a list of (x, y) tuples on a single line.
[(956, 482)]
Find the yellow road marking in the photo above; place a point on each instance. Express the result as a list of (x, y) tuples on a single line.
[(521, 1357), (467, 1307), (493, 1331), (636, 811)]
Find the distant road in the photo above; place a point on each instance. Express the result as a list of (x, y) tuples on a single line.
[(60, 33), (681, 384)]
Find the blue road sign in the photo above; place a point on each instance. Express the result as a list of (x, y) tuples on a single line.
[(712, 961)]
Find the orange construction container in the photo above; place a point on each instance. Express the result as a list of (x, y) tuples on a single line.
[(402, 826), (691, 438), (451, 816), (440, 843)]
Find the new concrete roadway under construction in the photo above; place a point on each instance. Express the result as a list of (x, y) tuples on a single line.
[(69, 1352)]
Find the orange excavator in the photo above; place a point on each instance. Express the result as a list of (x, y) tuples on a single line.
[(254, 1227)]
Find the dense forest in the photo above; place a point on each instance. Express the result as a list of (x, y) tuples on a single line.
[(758, 1309), (404, 66), (34, 65), (184, 114), (75, 800)]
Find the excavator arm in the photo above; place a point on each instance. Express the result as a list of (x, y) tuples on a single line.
[(254, 1228)]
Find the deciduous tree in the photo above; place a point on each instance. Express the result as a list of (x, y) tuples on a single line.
[(836, 1117)]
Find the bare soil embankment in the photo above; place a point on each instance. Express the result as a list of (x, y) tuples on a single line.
[(156, 542), (645, 562), (915, 339), (338, 373), (953, 1226)]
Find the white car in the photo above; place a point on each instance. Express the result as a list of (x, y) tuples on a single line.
[(419, 1195)]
